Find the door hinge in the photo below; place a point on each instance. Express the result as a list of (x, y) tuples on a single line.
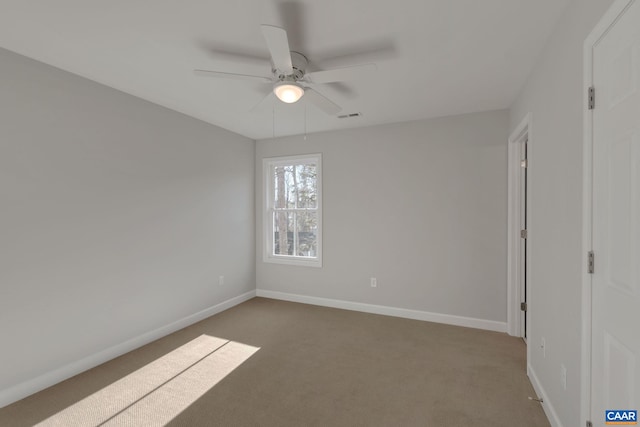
[(523, 306), (589, 424), (523, 234), (591, 263), (592, 98), (524, 163)]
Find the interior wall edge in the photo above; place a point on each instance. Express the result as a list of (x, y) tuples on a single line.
[(448, 319), (548, 408), (34, 385)]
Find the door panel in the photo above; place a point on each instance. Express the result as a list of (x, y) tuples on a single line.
[(620, 211), (615, 375), (619, 371)]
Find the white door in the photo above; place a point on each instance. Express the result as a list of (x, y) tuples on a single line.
[(615, 341), (523, 240)]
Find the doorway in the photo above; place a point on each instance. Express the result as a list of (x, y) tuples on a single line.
[(518, 251), (522, 255)]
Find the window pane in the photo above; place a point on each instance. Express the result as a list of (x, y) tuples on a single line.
[(306, 180), (293, 203), (283, 233), (291, 187), (307, 234), (285, 188), (280, 187)]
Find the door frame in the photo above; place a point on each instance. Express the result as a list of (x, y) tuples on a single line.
[(617, 8), (514, 274)]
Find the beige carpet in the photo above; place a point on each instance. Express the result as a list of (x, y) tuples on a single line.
[(273, 363)]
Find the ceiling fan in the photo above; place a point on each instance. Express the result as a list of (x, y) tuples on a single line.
[(289, 76)]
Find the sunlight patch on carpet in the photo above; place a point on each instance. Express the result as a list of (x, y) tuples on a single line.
[(156, 393)]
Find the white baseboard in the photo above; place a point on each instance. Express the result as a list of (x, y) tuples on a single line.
[(448, 319), (552, 416), (26, 388)]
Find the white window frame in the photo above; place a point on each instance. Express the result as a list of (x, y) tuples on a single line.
[(268, 170)]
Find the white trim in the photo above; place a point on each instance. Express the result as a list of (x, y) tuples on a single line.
[(514, 291), (548, 408), (601, 28), (26, 388), (587, 171), (469, 322), (267, 164)]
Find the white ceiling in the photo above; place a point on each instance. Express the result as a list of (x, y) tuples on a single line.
[(435, 57)]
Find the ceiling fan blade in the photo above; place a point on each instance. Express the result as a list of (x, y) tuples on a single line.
[(293, 16), (278, 45), (236, 54), (210, 73), (340, 74), (321, 101)]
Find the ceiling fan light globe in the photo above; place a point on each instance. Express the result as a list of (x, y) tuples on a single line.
[(288, 92)]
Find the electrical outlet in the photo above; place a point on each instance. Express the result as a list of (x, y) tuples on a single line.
[(543, 346), (374, 282), (221, 280), (563, 376)]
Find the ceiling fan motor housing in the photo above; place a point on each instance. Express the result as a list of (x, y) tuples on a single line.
[(299, 63)]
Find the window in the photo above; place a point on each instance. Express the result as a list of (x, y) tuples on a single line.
[(292, 216)]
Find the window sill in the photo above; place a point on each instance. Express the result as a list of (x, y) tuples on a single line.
[(293, 261)]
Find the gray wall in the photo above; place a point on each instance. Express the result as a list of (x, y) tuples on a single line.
[(421, 206), (554, 96), (117, 217)]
